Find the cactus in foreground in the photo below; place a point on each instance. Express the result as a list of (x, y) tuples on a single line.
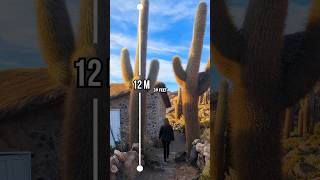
[(60, 52), (263, 84), (178, 108), (217, 135), (193, 84), (288, 122), (128, 76)]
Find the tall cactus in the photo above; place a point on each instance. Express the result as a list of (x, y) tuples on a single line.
[(178, 108), (305, 120), (128, 76), (60, 52), (217, 135), (288, 122), (193, 84), (263, 84)]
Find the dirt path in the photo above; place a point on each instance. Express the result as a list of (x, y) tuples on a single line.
[(170, 170)]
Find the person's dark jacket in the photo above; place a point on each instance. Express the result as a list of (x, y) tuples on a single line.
[(166, 133)]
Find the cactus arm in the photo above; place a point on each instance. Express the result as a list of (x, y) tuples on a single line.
[(179, 72), (218, 137), (203, 82), (204, 79), (143, 36), (85, 38), (153, 73), (306, 68), (197, 41), (226, 42), (127, 73), (56, 38), (227, 67), (178, 106), (225, 38)]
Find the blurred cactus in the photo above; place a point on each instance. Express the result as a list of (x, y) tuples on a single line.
[(217, 135), (192, 83), (263, 82), (305, 118), (128, 76), (288, 122), (178, 108), (60, 52), (301, 118)]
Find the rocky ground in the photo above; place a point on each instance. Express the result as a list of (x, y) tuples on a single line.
[(170, 170), (302, 156)]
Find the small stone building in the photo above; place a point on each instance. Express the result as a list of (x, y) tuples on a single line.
[(157, 103), (31, 113)]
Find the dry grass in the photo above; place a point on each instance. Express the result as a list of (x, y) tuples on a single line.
[(25, 88)]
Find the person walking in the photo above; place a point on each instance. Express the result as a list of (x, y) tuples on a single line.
[(166, 135)]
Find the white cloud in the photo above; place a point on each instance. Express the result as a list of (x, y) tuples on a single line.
[(163, 13), (118, 41)]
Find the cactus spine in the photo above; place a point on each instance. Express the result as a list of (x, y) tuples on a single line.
[(288, 122), (129, 76), (263, 85), (217, 133), (60, 52), (193, 84), (178, 108)]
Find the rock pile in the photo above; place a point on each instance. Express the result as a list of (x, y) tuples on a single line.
[(123, 164), (200, 154)]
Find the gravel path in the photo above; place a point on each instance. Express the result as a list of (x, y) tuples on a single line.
[(170, 170)]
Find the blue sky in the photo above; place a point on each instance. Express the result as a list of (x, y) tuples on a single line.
[(170, 34), (170, 31)]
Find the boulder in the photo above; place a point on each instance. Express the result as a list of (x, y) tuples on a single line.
[(180, 157), (114, 169), (193, 156), (200, 148), (206, 150), (114, 160), (135, 147), (200, 162), (120, 155), (196, 141)]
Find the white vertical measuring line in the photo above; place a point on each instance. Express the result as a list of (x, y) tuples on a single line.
[(95, 139), (95, 100), (139, 7), (95, 21)]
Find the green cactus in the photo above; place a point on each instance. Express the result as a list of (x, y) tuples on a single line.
[(288, 122), (263, 85), (193, 84), (60, 52), (217, 135), (178, 108), (129, 76)]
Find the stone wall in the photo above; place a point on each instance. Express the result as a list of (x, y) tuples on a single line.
[(155, 113), (39, 132)]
